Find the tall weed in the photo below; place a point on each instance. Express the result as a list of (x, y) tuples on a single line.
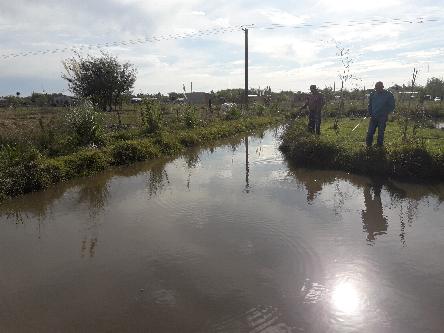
[(85, 124)]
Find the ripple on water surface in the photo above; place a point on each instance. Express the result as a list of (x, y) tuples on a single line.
[(222, 241)]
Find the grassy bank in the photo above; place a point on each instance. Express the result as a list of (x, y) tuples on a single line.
[(26, 167), (419, 157)]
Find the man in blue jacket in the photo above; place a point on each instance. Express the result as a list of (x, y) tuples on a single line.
[(380, 104)]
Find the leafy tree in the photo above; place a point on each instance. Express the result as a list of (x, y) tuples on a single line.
[(435, 87), (231, 95), (103, 80), (173, 96), (40, 99)]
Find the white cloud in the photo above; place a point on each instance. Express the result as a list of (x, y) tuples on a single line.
[(344, 6), (278, 16), (198, 13), (284, 58), (423, 54), (384, 46)]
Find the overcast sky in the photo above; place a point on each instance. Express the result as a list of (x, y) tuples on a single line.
[(285, 58)]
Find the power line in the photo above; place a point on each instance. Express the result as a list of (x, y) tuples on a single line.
[(350, 23), (151, 39), (221, 30)]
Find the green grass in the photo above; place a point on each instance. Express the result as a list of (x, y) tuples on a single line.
[(353, 140), (420, 157)]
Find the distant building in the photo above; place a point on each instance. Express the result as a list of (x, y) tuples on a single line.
[(62, 100), (406, 94), (136, 100), (257, 99), (3, 102), (180, 100), (198, 98)]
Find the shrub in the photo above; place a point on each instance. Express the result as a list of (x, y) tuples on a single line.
[(123, 135), (131, 151), (54, 170), (152, 117), (233, 113), (85, 162), (412, 161), (85, 124), (311, 151), (189, 139), (168, 143), (260, 110), (371, 161), (191, 118), (20, 171)]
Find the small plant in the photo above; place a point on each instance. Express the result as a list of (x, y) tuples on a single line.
[(85, 124), (408, 113), (345, 76), (233, 113), (152, 117), (191, 117), (261, 110)]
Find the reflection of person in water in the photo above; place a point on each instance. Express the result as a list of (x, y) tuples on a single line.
[(372, 217), (313, 186)]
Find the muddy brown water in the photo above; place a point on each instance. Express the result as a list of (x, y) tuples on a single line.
[(222, 241)]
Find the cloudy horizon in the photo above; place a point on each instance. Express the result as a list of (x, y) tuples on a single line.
[(290, 45)]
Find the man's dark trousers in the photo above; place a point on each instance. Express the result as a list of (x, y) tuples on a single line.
[(314, 122), (378, 122)]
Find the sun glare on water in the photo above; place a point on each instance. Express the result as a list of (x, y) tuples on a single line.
[(346, 298)]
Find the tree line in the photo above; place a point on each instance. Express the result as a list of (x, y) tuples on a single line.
[(107, 83)]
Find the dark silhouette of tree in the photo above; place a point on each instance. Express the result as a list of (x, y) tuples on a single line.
[(435, 87), (102, 79)]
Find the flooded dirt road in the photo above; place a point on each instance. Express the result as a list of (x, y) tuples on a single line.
[(224, 241)]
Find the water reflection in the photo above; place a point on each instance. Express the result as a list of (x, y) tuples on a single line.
[(271, 261), (247, 167), (336, 188), (157, 179), (373, 219), (312, 187), (34, 205), (192, 160), (95, 194), (346, 298)]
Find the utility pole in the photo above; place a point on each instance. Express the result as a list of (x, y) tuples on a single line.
[(246, 67), (364, 97)]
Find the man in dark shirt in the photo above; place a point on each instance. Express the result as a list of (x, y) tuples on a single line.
[(315, 101), (381, 102)]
